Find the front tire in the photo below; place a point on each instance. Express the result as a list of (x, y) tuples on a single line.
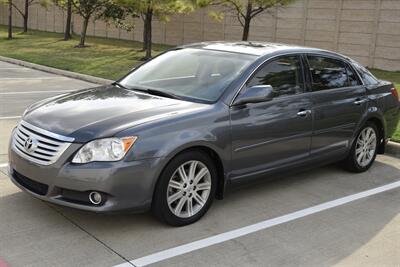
[(186, 189), (364, 149)]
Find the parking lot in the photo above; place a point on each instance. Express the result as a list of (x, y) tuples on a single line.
[(313, 218)]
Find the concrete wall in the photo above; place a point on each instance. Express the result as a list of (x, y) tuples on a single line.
[(366, 30)]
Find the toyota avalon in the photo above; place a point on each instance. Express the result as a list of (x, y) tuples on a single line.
[(172, 134)]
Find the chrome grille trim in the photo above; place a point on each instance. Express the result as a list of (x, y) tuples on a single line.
[(48, 147)]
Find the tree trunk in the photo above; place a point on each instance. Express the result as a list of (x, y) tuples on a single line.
[(144, 33), (246, 29), (83, 32), (67, 33), (26, 16), (10, 19), (147, 33), (247, 20)]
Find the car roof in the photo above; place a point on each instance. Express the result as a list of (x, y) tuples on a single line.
[(256, 48)]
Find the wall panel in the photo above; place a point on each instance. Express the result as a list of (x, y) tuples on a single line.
[(367, 30)]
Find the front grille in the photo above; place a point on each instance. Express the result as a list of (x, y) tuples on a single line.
[(35, 187), (38, 145)]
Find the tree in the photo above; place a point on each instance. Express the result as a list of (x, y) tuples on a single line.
[(95, 9), (246, 10), (67, 32), (150, 9), (10, 6), (66, 5), (25, 12)]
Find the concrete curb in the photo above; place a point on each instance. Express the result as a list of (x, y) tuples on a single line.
[(65, 73), (393, 148)]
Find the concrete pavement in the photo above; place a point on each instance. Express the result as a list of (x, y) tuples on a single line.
[(365, 232), (21, 87)]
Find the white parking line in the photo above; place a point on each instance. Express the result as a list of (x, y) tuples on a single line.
[(219, 238), (10, 118), (36, 92), (36, 78), (14, 68), (3, 165)]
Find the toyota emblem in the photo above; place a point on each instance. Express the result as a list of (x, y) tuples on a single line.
[(30, 144)]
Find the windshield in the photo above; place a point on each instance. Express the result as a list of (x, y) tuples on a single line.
[(192, 74)]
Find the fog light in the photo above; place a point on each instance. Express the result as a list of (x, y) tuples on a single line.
[(95, 198)]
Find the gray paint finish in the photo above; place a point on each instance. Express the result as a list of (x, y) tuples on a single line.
[(249, 140)]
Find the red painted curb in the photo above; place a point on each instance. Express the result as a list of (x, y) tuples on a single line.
[(3, 263)]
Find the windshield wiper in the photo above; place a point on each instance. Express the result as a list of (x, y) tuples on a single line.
[(119, 85), (157, 92)]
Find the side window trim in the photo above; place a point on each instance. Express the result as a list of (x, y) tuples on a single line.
[(359, 68), (265, 69), (350, 66), (306, 73), (345, 62), (243, 84)]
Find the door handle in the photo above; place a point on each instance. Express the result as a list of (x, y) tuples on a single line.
[(359, 101), (303, 113)]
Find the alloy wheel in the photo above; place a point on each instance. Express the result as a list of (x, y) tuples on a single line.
[(189, 189), (365, 146)]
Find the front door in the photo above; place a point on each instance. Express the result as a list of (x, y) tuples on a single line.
[(272, 134)]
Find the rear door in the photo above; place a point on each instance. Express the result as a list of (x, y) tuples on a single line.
[(339, 101), (276, 133)]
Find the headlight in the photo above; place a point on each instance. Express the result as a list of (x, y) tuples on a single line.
[(107, 149)]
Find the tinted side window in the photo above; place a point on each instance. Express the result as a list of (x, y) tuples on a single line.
[(353, 79), (327, 73), (367, 77), (283, 74)]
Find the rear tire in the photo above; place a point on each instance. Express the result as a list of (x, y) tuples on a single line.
[(363, 151), (186, 189)]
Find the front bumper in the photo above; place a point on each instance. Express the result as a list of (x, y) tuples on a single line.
[(125, 185)]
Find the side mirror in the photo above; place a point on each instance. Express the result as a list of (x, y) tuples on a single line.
[(255, 94)]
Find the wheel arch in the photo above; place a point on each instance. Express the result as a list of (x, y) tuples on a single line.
[(212, 153), (381, 131), (378, 120)]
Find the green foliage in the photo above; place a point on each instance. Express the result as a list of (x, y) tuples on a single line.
[(148, 9), (89, 8), (118, 15), (245, 9), (61, 3), (105, 58), (43, 3), (393, 77), (160, 8), (218, 16)]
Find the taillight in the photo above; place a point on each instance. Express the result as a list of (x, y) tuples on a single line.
[(395, 93)]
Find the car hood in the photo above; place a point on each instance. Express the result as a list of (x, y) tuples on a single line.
[(103, 112)]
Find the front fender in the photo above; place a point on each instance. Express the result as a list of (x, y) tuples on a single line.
[(165, 139)]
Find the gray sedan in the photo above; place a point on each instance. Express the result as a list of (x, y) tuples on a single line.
[(177, 130)]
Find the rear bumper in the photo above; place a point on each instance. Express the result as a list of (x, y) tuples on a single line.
[(124, 185)]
